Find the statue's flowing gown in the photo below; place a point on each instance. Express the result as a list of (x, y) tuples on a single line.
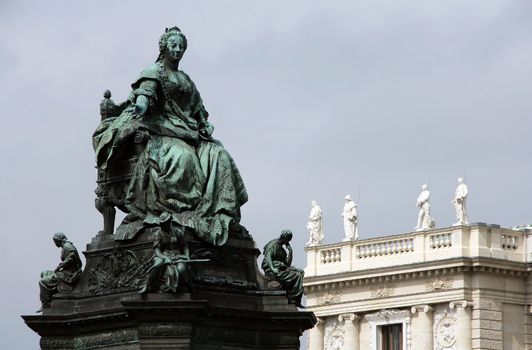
[(192, 178)]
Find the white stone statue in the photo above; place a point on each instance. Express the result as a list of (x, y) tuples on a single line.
[(459, 202), (315, 225), (350, 216), (424, 220)]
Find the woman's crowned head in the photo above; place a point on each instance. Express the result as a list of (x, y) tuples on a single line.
[(163, 41)]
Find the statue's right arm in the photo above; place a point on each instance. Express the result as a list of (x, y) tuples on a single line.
[(67, 261), (144, 96)]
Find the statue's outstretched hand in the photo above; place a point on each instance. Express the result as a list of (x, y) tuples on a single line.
[(139, 110), (140, 107)]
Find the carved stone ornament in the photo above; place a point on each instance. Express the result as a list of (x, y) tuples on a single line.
[(330, 297), (165, 330), (334, 335), (385, 317), (336, 340), (118, 270), (383, 290), (444, 328), (445, 334), (347, 317), (92, 341), (438, 284)]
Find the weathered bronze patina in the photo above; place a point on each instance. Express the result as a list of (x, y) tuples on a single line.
[(277, 263), (178, 167), (180, 271), (65, 275)]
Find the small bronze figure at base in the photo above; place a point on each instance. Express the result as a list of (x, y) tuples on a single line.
[(277, 264), (169, 260), (65, 275)]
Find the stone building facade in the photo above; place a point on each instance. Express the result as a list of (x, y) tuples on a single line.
[(456, 288)]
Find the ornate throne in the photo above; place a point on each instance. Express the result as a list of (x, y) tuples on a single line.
[(113, 181)]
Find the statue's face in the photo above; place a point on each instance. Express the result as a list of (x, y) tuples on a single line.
[(175, 48)]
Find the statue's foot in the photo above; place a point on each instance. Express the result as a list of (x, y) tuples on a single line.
[(143, 291), (39, 311), (300, 306)]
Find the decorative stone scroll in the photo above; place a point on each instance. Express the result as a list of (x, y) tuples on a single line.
[(330, 297), (382, 290), (438, 284), (347, 317)]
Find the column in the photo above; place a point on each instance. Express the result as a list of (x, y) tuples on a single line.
[(463, 323), (315, 336), (351, 331), (422, 327)]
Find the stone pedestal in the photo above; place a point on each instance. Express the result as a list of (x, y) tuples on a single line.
[(225, 302)]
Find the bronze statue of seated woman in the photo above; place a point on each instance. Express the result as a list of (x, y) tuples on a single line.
[(159, 144)]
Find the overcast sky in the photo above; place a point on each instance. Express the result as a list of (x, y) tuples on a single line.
[(314, 100)]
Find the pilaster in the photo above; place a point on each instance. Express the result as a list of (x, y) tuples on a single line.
[(422, 326), (351, 329), (316, 341), (463, 324)]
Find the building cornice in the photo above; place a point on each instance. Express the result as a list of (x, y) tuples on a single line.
[(417, 271)]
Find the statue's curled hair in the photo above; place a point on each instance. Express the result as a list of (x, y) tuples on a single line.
[(60, 237)]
